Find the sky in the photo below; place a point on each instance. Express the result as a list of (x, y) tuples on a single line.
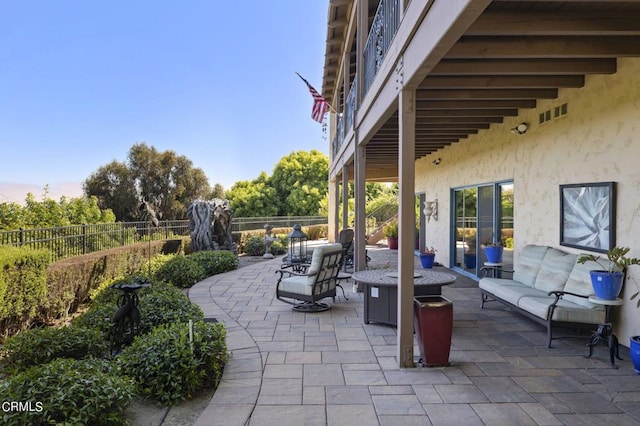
[(83, 81)]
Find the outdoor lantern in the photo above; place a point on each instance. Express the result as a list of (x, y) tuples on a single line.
[(297, 245)]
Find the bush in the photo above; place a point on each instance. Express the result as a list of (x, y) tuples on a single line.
[(175, 372), (278, 248), (181, 271), (215, 261), (254, 246), (67, 391), (152, 266), (39, 346), (163, 303)]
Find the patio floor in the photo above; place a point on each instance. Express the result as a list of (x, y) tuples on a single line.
[(330, 368)]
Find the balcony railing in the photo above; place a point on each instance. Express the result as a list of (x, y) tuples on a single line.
[(384, 27)]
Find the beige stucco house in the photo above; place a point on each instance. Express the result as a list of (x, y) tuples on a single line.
[(488, 107)]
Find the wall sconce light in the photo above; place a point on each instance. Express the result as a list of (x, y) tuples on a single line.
[(436, 161), (520, 129), (431, 210)]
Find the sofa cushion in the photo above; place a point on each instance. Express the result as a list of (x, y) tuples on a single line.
[(579, 282), (555, 270), (565, 310), (508, 290), (529, 264)]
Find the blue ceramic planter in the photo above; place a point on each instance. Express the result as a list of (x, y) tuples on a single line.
[(493, 253), (606, 285), (634, 351), (427, 260), (470, 260)]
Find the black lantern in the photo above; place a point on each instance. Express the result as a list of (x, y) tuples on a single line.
[(297, 245)]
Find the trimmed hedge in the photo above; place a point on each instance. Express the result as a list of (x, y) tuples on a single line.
[(215, 262), (23, 286)]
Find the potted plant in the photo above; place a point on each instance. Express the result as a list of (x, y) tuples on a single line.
[(493, 251), (634, 341), (391, 232), (470, 258), (607, 282), (427, 256)]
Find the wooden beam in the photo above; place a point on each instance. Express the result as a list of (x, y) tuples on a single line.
[(624, 21), (506, 81), (532, 66), (475, 104), (450, 94), (544, 47), (467, 113)]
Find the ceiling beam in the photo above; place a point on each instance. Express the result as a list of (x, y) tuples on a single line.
[(505, 81), (544, 47), (512, 112), (476, 104), (535, 66), (561, 22), (450, 94)]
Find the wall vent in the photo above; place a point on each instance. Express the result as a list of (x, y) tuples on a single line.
[(560, 111), (544, 116)]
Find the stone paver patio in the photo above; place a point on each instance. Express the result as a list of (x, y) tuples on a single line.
[(330, 368)]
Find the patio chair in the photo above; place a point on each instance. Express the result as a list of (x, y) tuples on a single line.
[(346, 239), (305, 290)]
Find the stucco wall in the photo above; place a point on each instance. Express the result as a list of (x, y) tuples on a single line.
[(598, 140)]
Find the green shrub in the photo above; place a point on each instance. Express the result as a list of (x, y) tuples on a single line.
[(98, 317), (70, 392), (152, 266), (181, 271), (215, 261), (278, 248), (163, 303), (39, 346), (254, 246), (23, 286), (173, 373)]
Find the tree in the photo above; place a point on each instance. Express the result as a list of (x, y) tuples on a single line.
[(218, 192), (167, 181), (255, 198), (301, 180), (115, 188)]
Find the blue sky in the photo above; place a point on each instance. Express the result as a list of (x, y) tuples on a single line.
[(82, 81)]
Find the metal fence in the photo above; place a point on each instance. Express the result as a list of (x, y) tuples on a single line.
[(75, 240)]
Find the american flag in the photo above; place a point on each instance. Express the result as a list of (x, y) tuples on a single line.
[(319, 104)]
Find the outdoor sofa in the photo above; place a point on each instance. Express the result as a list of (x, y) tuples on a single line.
[(548, 286)]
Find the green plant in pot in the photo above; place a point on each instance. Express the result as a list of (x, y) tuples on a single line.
[(391, 232), (608, 281)]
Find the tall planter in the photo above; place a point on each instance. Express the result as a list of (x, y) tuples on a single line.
[(634, 350), (392, 242), (607, 285)]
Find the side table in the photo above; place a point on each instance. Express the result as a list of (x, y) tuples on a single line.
[(495, 268), (605, 329)]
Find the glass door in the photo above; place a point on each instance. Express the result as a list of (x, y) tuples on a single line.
[(483, 214)]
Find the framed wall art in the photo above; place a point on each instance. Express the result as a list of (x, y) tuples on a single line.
[(587, 216)]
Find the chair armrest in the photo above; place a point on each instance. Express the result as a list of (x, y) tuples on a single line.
[(559, 293)]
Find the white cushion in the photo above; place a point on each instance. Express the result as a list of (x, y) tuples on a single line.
[(529, 264), (555, 270)]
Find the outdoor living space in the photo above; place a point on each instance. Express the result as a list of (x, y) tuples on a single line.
[(331, 368)]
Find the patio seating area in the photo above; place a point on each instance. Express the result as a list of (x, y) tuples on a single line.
[(331, 368)]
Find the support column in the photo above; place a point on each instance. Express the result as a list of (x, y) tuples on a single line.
[(334, 213), (345, 197), (406, 221), (360, 230)]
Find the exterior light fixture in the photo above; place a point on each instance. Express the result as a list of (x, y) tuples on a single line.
[(520, 129), (297, 245), (431, 210), (436, 161)]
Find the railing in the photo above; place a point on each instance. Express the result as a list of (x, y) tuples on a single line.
[(75, 240), (383, 29), (338, 139)]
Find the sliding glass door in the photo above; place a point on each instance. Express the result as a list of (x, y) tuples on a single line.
[(483, 214)]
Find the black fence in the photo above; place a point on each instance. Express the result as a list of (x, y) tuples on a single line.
[(75, 240)]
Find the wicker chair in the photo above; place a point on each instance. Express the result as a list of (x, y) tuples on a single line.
[(305, 290)]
